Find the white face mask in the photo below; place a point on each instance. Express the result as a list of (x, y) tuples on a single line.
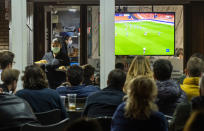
[(55, 50), (70, 43)]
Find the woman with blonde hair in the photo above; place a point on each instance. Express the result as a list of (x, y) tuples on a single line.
[(139, 112), (140, 66)]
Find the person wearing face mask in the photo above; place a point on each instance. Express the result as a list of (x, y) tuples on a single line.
[(53, 62), (56, 57), (67, 44)]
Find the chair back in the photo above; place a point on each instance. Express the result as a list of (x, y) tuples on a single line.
[(168, 118), (49, 117), (60, 126), (105, 122)]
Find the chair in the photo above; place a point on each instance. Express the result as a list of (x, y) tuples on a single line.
[(105, 122), (168, 118), (60, 126), (49, 117)]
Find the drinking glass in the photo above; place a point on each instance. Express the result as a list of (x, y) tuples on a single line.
[(71, 102)]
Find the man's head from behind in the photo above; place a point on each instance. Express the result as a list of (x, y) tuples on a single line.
[(10, 78), (116, 79), (162, 69), (194, 67), (88, 73), (6, 59), (120, 66), (75, 75)]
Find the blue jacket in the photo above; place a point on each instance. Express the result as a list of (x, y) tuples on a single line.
[(42, 100), (103, 103), (81, 90), (169, 95), (156, 122)]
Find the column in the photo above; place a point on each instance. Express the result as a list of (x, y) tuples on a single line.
[(18, 32), (107, 39)]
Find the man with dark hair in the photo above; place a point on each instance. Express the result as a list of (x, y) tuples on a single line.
[(191, 83), (105, 102), (88, 74), (169, 92), (6, 60), (120, 66), (75, 78)]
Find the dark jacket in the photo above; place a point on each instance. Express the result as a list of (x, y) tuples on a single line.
[(169, 95), (183, 112), (14, 112), (64, 48), (156, 122), (43, 100), (103, 103), (81, 90)]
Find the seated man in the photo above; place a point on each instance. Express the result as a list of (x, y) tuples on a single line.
[(191, 83), (105, 102), (169, 92), (88, 75), (14, 112), (75, 78)]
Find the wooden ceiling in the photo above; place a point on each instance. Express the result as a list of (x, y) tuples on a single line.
[(121, 2)]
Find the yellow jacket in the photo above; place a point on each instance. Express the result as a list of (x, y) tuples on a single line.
[(191, 87)]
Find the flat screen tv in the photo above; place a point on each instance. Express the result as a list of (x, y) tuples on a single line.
[(146, 33)]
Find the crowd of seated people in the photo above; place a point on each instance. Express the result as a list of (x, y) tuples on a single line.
[(138, 100), (14, 111)]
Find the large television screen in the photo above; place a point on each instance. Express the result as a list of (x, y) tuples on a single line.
[(146, 33)]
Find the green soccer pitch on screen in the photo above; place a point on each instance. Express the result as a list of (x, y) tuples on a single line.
[(146, 33)]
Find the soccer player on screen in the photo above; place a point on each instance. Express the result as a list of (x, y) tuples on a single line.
[(144, 49)]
